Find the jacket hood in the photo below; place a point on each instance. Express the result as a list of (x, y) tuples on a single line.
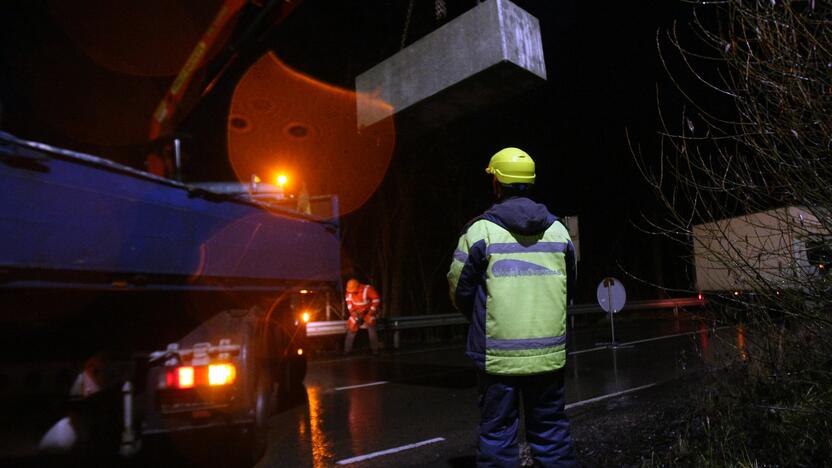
[(520, 215)]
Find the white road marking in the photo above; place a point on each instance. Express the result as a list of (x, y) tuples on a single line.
[(393, 354), (611, 395), (647, 340), (446, 348), (588, 350), (368, 456), (381, 382), (696, 332), (576, 404)]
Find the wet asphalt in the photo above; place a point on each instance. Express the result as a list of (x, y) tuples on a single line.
[(417, 407)]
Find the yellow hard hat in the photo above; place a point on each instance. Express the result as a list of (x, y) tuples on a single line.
[(352, 285), (512, 166)]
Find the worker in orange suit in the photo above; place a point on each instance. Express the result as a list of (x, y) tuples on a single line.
[(363, 303)]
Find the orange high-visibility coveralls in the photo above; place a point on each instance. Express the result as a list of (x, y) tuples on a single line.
[(362, 303)]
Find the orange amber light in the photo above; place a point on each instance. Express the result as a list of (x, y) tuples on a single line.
[(221, 374)]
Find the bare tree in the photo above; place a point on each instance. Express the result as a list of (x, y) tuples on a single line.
[(765, 148), (744, 176)]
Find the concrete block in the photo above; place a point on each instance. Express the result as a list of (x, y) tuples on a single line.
[(490, 53)]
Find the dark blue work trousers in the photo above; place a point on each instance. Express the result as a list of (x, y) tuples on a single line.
[(547, 427)]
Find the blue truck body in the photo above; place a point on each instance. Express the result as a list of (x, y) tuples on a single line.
[(71, 218), (100, 257)]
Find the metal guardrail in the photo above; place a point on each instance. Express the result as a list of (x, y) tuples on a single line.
[(422, 321), (332, 327), (673, 303), (339, 327)]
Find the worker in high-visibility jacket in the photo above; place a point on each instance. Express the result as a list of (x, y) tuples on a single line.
[(363, 303), (511, 274)]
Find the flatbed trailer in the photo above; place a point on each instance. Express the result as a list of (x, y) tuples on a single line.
[(181, 308)]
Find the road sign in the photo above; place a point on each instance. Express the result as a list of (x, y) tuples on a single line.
[(611, 295)]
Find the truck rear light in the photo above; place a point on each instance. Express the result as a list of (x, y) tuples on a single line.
[(221, 374), (184, 377)]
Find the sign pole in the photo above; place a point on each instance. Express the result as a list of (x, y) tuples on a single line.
[(612, 300), (612, 314)]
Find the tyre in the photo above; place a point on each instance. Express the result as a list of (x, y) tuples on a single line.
[(290, 386), (298, 371), (256, 435)]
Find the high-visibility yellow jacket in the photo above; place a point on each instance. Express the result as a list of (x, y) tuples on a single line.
[(510, 275)]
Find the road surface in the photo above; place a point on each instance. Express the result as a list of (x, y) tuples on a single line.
[(418, 407)]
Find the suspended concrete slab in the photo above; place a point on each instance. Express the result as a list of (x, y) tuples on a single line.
[(485, 56)]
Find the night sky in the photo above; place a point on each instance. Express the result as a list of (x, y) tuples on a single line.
[(603, 78)]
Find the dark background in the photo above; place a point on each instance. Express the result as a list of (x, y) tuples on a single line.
[(605, 81)]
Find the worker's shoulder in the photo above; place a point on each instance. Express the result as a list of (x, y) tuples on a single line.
[(559, 227), (479, 227)]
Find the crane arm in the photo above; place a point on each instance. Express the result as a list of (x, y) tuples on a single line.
[(167, 107)]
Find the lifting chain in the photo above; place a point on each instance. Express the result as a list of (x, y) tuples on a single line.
[(406, 24), (441, 9)]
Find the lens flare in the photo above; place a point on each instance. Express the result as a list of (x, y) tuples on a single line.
[(282, 118), (147, 38)]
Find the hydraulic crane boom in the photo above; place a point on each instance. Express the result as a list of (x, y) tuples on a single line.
[(230, 9), (166, 108)]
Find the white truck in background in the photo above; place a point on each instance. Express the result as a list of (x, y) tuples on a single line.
[(772, 250)]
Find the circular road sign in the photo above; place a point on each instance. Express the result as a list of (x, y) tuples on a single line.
[(611, 295)]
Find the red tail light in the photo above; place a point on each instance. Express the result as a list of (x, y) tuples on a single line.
[(184, 377)]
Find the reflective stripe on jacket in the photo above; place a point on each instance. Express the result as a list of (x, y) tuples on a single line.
[(513, 289), (365, 299)]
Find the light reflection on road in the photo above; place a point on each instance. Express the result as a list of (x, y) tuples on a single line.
[(321, 453), (349, 414), (365, 418), (741, 343)]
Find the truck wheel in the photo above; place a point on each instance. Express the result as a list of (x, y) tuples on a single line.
[(257, 435), (298, 373), (290, 385)]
